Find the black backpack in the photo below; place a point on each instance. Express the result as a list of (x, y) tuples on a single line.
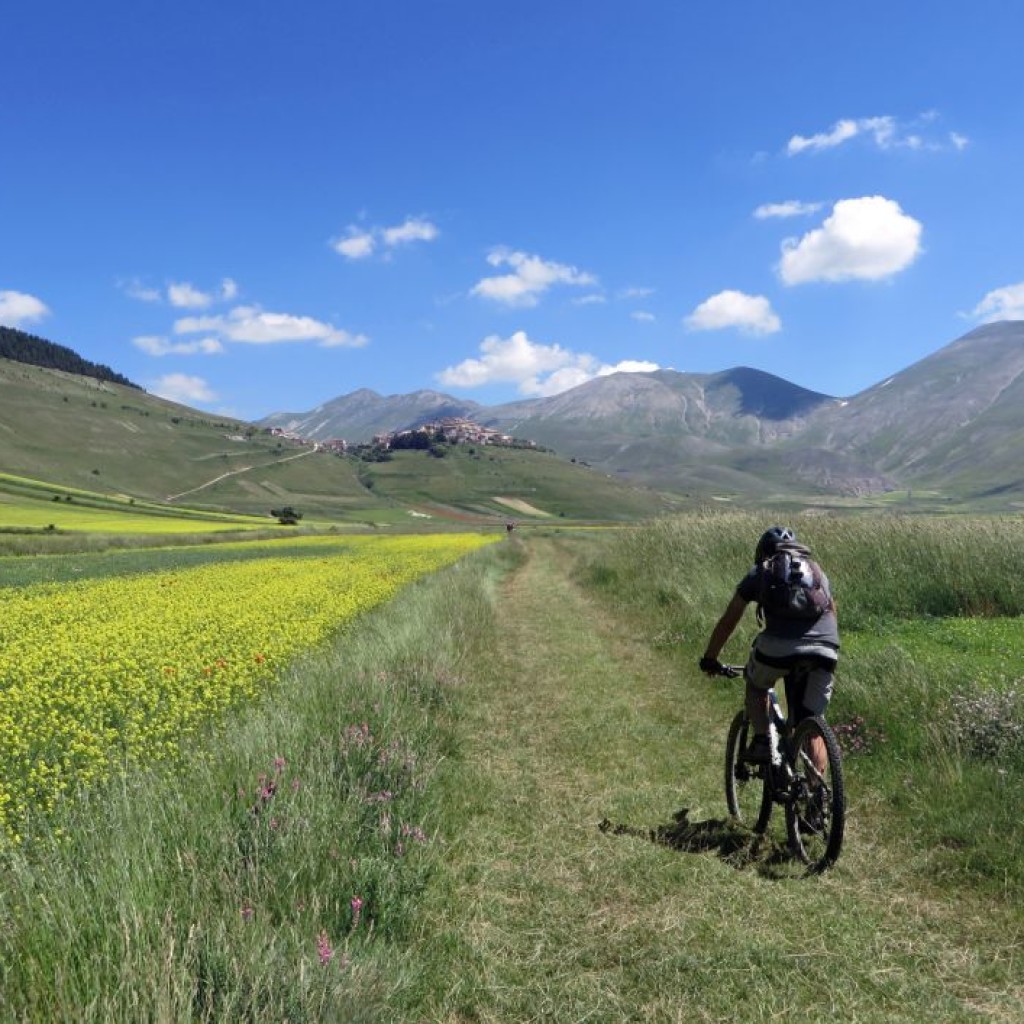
[(791, 584)]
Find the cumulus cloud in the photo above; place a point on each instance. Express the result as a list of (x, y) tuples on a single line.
[(1002, 304), (415, 229), (358, 243), (885, 132), (643, 316), (840, 132), (254, 326), (531, 277), (180, 387), (136, 289), (790, 208), (155, 345), (534, 368), (868, 239), (183, 295), (635, 292), (629, 366), (17, 308), (180, 294), (750, 314)]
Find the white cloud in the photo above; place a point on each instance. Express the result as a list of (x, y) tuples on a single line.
[(183, 295), (629, 366), (17, 308), (635, 293), (536, 369), (868, 238), (356, 245), (359, 243), (840, 132), (155, 345), (415, 229), (253, 326), (180, 387), (789, 208), (135, 289), (1002, 304), (886, 132), (751, 314), (594, 299), (531, 278), (643, 316)]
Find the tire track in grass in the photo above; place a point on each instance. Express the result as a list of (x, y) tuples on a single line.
[(571, 719)]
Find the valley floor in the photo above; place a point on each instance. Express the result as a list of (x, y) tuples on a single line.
[(591, 875)]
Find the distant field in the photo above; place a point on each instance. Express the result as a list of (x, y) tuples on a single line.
[(469, 479), (27, 504)]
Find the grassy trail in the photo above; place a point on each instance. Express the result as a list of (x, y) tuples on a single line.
[(574, 719)]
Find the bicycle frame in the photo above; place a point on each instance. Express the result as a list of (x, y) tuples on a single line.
[(803, 774)]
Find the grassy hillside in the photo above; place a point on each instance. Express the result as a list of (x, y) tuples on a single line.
[(498, 481), (80, 432), (76, 432)]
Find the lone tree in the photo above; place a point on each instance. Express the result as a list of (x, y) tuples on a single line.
[(286, 516)]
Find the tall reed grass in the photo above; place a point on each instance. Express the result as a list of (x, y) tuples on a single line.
[(932, 644)]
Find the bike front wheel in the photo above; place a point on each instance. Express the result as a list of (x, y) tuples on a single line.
[(746, 786), (816, 810)]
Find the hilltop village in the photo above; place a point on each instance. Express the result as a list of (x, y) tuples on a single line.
[(449, 430)]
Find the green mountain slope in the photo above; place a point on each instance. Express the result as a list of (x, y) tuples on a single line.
[(73, 431)]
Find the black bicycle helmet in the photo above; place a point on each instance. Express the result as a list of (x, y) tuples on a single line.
[(770, 540)]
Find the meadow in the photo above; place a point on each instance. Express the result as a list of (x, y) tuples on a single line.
[(931, 676), (464, 804), (103, 672)]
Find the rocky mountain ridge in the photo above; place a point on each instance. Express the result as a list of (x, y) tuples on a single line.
[(953, 420)]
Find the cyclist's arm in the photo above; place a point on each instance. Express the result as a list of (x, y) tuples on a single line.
[(724, 627)]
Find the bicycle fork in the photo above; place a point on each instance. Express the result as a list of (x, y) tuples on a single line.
[(779, 767)]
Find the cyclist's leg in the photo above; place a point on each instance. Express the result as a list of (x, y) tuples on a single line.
[(814, 701), (759, 679)]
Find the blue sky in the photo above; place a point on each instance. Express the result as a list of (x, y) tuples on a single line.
[(253, 207)]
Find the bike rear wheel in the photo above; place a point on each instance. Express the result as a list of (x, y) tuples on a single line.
[(746, 787), (816, 811)]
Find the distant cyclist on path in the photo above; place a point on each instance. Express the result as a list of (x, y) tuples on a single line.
[(798, 614)]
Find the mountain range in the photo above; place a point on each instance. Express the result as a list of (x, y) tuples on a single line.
[(952, 423)]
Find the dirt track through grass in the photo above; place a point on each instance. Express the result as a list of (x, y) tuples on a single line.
[(573, 720)]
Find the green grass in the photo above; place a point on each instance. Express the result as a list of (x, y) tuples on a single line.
[(471, 478), (563, 767), (224, 890), (929, 615)]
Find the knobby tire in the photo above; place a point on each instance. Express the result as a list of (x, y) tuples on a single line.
[(816, 824), (746, 790)]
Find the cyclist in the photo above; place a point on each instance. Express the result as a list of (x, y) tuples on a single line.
[(783, 640)]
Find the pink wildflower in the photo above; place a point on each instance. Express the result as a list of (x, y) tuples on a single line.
[(323, 948), (357, 910)]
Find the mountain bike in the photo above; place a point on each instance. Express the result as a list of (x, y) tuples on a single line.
[(804, 775)]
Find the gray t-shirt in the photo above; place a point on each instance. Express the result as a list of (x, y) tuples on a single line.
[(807, 632)]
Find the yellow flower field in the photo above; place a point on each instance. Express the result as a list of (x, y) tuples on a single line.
[(104, 673)]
